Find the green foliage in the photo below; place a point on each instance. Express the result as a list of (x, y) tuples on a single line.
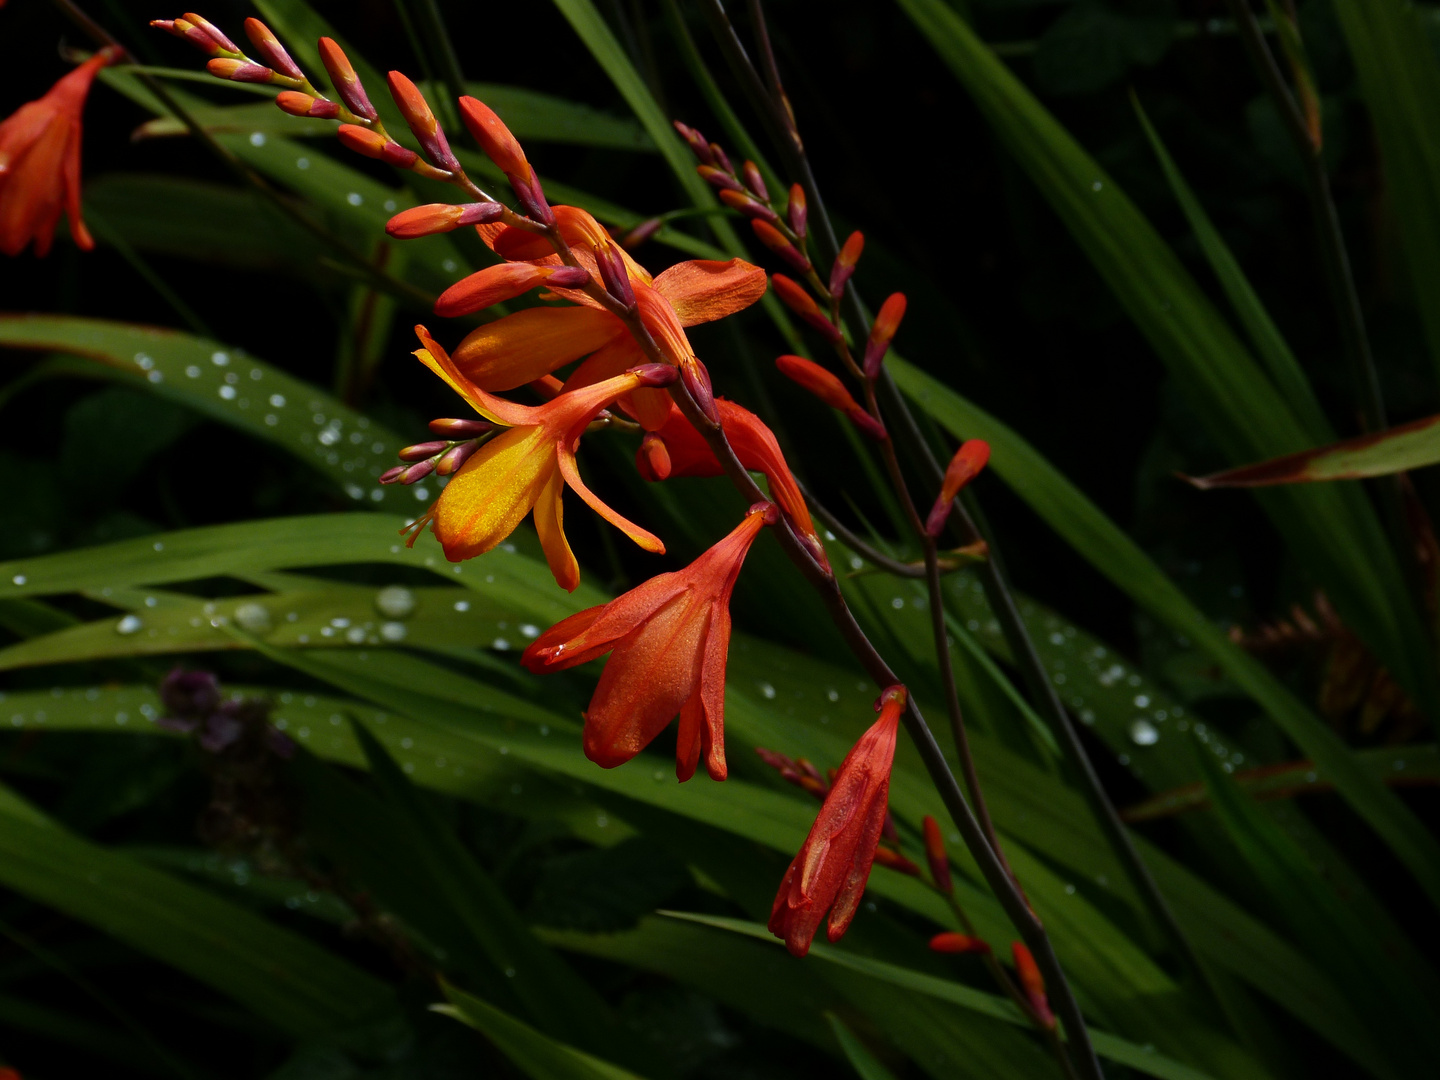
[(410, 826)]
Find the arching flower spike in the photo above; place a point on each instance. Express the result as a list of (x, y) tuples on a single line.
[(830, 871), (525, 468), (668, 641)]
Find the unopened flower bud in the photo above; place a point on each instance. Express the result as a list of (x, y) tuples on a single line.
[(614, 275), (655, 374), (239, 70), (441, 218), (270, 49), (188, 31), (214, 31), (754, 181), (494, 137), (640, 233), (461, 429), (892, 859), (963, 467), (389, 476), (779, 243), (750, 207), (652, 460), (800, 302), (372, 144), (828, 388), (298, 104), (845, 263), (504, 281), (423, 450), (721, 161), (456, 456), (951, 942), (696, 378), (718, 178), (419, 471), (698, 146), (936, 856), (423, 125), (881, 334), (798, 210), (1032, 982), (347, 83)]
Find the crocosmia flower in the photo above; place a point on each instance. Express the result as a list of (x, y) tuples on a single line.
[(668, 641), (40, 163), (526, 468), (833, 865)]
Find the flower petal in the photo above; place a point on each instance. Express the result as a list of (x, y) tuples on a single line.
[(520, 348), (552, 650), (703, 290), (434, 356), (493, 491), (550, 525), (568, 469)]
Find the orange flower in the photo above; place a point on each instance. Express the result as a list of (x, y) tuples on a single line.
[(525, 468), (675, 448), (529, 344), (40, 163), (670, 638), (830, 871)]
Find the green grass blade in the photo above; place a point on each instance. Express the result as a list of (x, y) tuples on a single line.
[(1336, 533), (1410, 446), (866, 1065), (1108, 1046), (535, 1054), (1264, 335), (1065, 508), (1399, 77), (299, 987)]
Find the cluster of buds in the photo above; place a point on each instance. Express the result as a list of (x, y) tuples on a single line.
[(440, 456), (361, 128)]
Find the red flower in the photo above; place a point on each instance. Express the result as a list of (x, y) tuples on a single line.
[(670, 638), (40, 163), (833, 864), (675, 448)]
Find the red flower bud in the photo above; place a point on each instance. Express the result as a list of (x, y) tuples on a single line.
[(939, 860), (298, 104), (640, 233), (698, 146), (779, 243), (613, 274), (440, 218), (423, 450), (721, 160), (754, 181), (1032, 983), (270, 49), (951, 942), (893, 860), (845, 263), (697, 381), (422, 122), (214, 31), (718, 178), (504, 281), (374, 145), (750, 207), (456, 456), (800, 302), (886, 323), (655, 374), (239, 70), (798, 210), (494, 138), (963, 467), (461, 429), (652, 460), (828, 388), (347, 83)]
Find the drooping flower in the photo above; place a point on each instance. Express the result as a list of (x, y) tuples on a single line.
[(40, 163), (676, 449), (526, 468), (830, 871), (668, 641)]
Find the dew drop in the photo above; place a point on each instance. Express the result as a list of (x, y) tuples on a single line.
[(1144, 733), (395, 601), (129, 624), (354, 198), (500, 643), (257, 138), (529, 630), (832, 694), (302, 163), (897, 603), (462, 605), (19, 579), (767, 691), (355, 635), (392, 631), (253, 617)]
